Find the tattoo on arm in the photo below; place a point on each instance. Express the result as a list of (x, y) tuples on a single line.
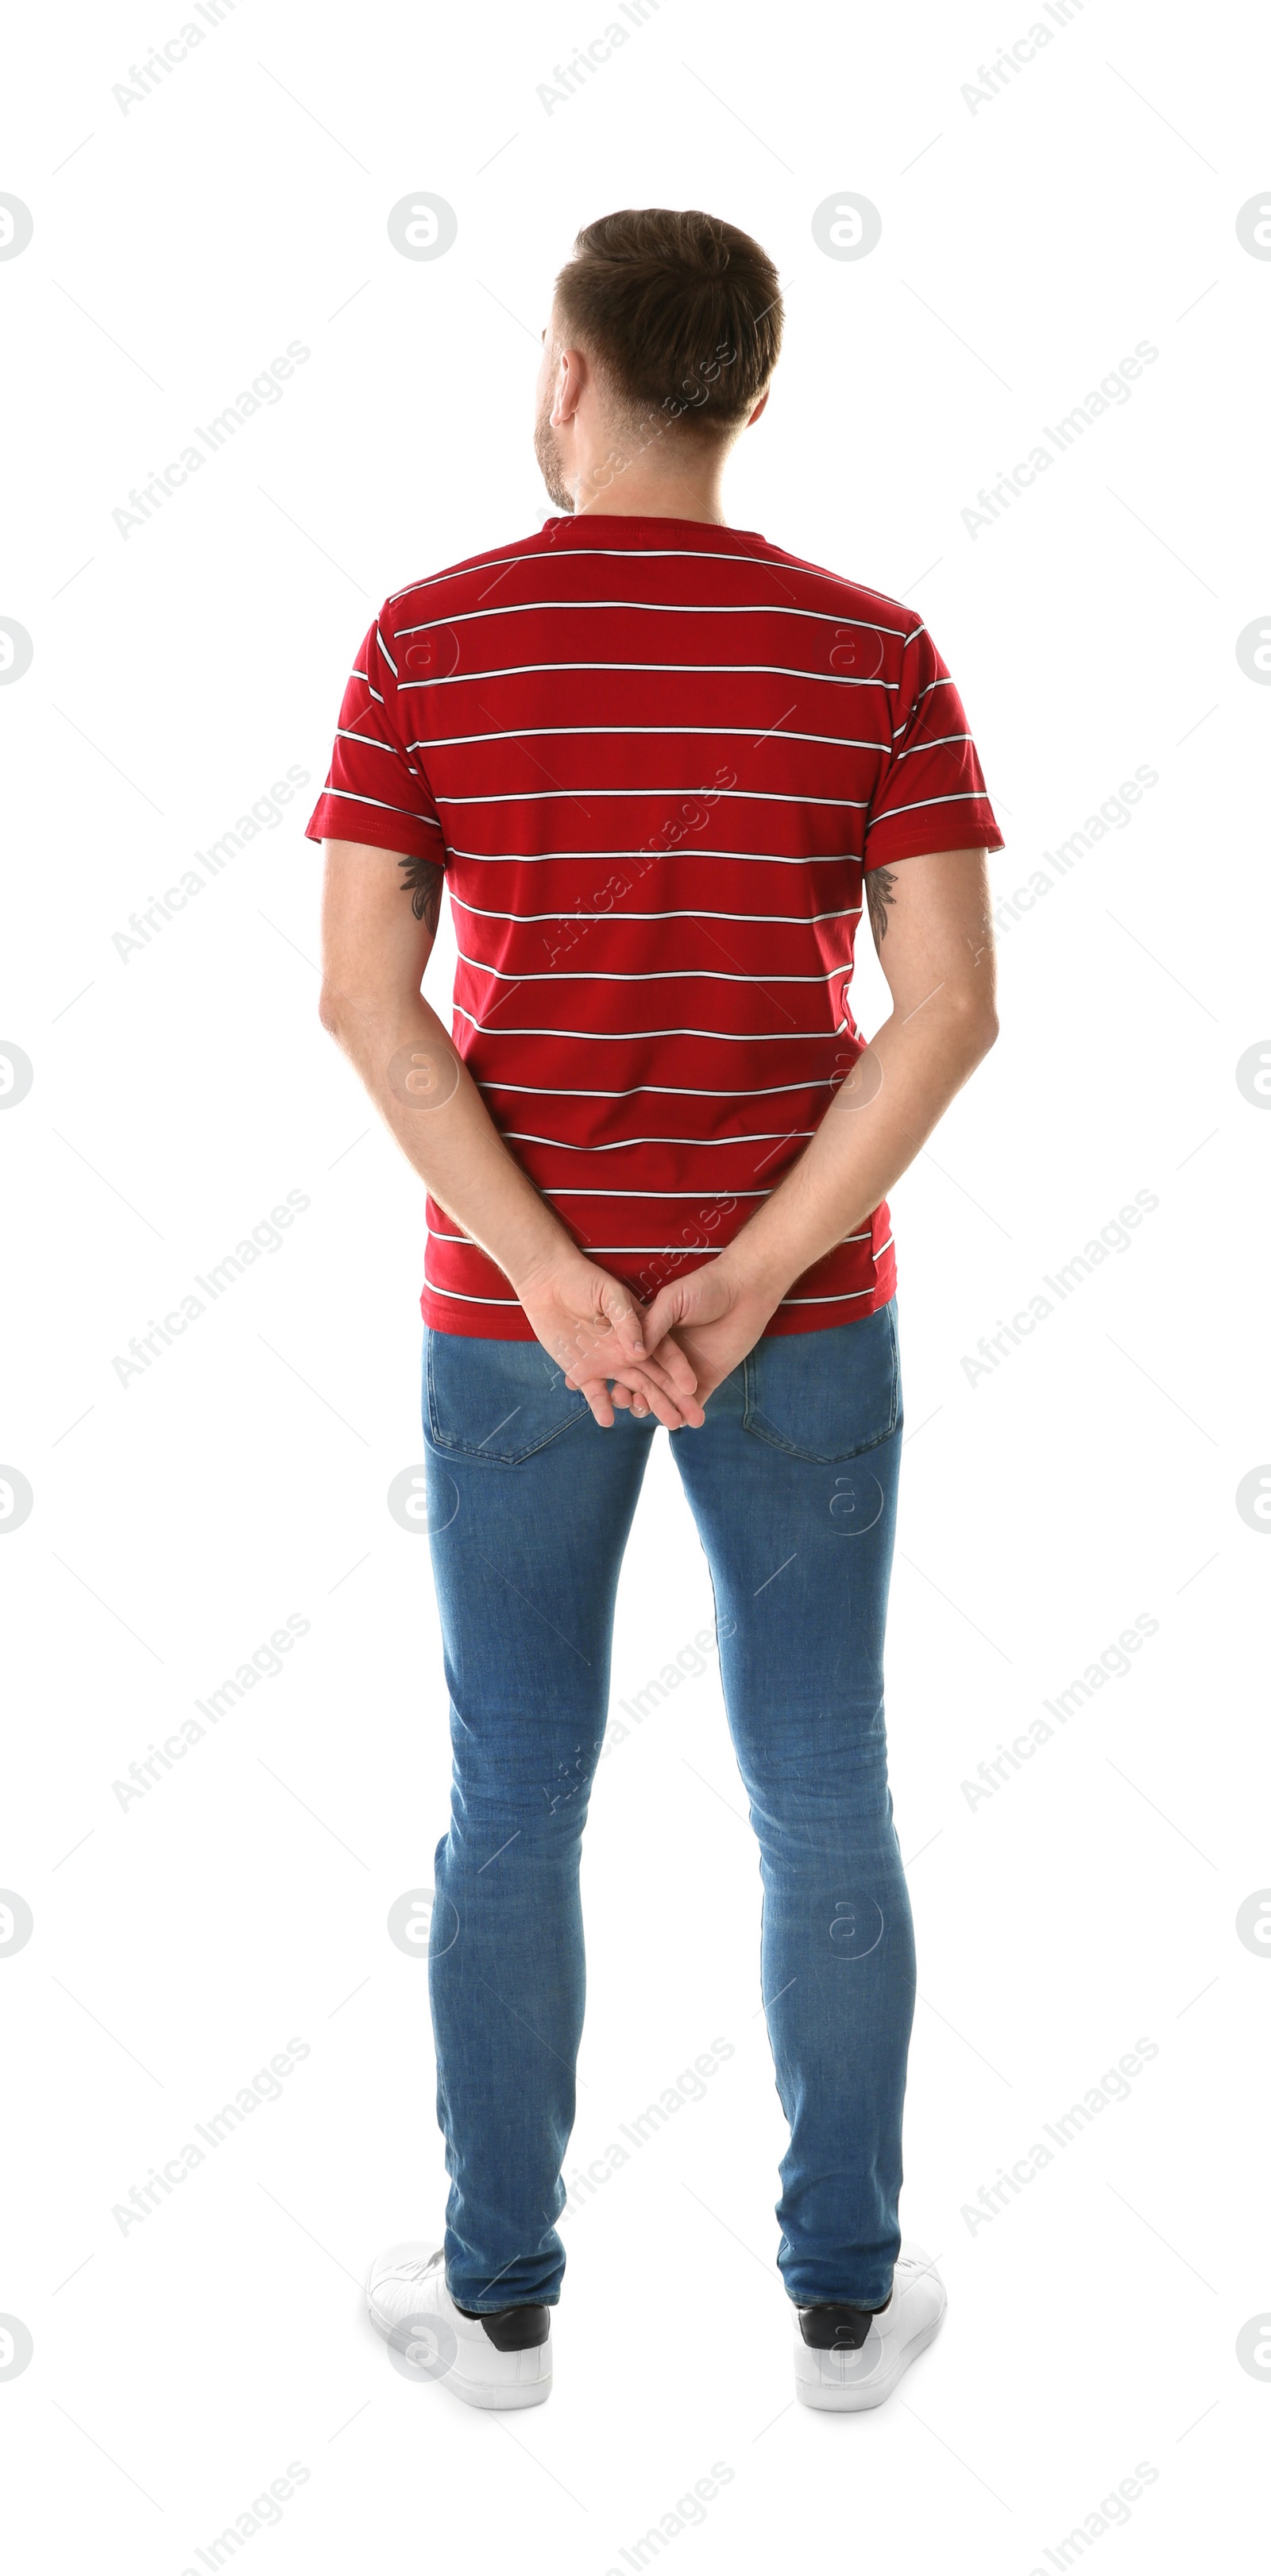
[(423, 881), (878, 894)]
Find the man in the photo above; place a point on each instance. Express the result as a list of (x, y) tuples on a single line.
[(658, 763)]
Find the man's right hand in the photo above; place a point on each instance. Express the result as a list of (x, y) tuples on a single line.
[(593, 1328), (715, 1315)]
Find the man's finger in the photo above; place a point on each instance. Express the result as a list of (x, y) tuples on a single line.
[(663, 1408), (624, 1317), (674, 1374), (649, 1380), (669, 1367), (660, 1315), (622, 1393), (672, 1371), (671, 1357), (646, 1373)]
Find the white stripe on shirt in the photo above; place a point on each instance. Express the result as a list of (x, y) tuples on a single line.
[(936, 743), (738, 795), (669, 1090), (651, 607), (756, 858), (622, 1144), (349, 796), (708, 670), (461, 1296), (622, 1037), (344, 733), (590, 1249), (967, 796), (775, 733), (796, 920), (583, 1193), (686, 554), (651, 975), (848, 1297)]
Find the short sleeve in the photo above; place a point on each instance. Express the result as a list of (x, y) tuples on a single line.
[(376, 788), (931, 795)]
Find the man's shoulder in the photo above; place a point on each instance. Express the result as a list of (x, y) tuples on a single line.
[(837, 594), (472, 584), (448, 588)]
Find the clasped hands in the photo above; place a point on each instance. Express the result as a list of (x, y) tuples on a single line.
[(665, 1358)]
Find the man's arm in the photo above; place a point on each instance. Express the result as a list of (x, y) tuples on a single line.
[(379, 921), (932, 927)]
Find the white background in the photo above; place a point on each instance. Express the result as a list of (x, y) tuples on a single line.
[(178, 1519)]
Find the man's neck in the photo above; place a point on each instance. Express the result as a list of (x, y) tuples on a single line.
[(630, 496)]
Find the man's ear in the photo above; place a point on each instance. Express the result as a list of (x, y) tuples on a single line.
[(761, 405), (570, 386)]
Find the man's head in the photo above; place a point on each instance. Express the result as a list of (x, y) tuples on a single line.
[(665, 330)]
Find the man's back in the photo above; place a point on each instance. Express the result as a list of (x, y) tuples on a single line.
[(655, 758)]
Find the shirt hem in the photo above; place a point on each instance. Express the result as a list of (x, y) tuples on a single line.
[(379, 834), (491, 1323), (912, 843)]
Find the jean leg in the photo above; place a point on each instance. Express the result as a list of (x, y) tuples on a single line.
[(526, 1551), (800, 1551)]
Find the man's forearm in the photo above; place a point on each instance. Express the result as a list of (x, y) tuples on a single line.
[(375, 950), (424, 1092), (880, 1118)]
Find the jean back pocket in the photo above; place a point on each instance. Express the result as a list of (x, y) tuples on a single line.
[(826, 1396), (495, 1401)]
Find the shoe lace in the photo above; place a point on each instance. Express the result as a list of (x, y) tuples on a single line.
[(416, 2271)]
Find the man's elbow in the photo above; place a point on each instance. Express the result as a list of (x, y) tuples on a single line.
[(344, 1008), (975, 1010), (977, 1025), (361, 1011), (332, 1007)]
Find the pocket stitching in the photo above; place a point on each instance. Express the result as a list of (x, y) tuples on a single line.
[(753, 1422), (820, 1457), (486, 1457)]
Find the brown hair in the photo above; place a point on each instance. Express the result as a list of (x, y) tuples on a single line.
[(679, 312)]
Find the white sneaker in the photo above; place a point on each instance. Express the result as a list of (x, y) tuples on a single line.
[(845, 2359), (502, 2360)]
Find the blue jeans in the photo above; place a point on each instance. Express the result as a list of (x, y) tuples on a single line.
[(792, 1483)]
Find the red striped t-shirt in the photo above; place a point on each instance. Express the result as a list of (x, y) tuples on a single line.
[(654, 758)]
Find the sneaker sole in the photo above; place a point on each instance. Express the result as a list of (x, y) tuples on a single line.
[(847, 2400), (497, 2401)]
